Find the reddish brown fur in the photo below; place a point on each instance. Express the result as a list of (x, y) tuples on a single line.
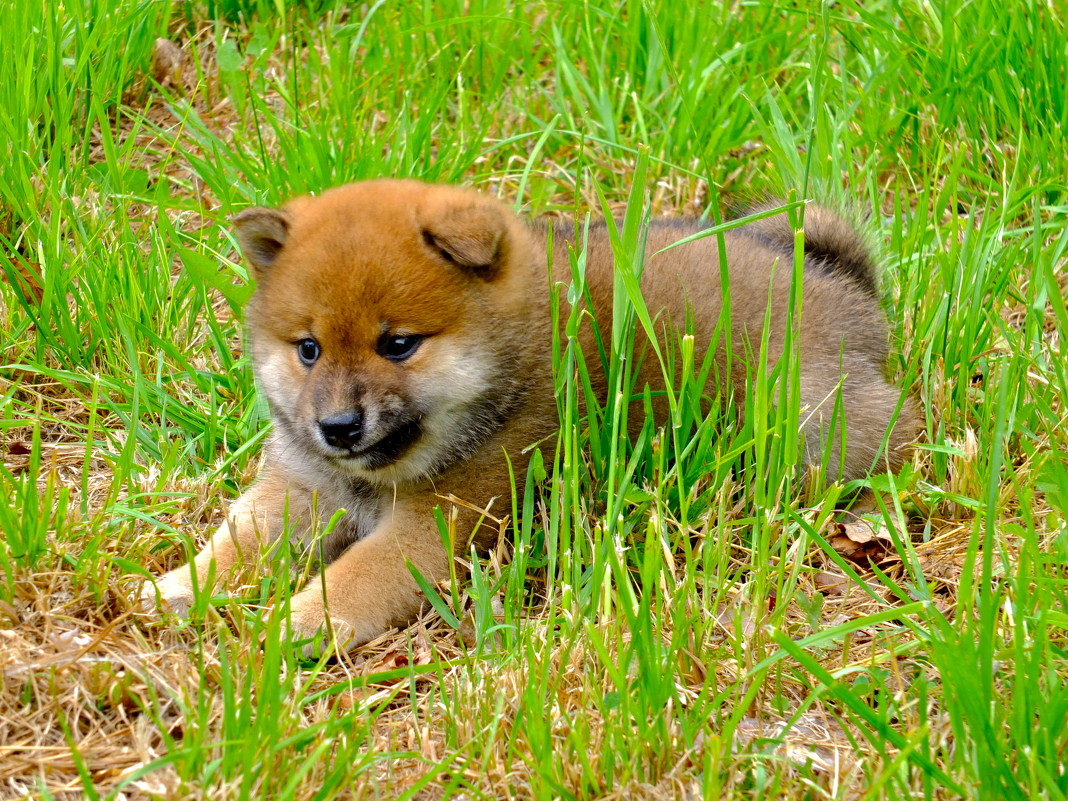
[(399, 258)]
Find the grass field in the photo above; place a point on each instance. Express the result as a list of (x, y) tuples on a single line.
[(678, 617)]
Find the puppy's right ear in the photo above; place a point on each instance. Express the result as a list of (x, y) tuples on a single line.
[(262, 233)]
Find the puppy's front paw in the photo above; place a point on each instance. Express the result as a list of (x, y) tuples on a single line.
[(311, 630), (172, 592)]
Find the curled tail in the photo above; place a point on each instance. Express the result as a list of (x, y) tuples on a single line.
[(831, 243)]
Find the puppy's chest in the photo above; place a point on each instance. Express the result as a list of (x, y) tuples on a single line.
[(362, 506)]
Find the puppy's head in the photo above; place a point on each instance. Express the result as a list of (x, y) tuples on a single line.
[(386, 324)]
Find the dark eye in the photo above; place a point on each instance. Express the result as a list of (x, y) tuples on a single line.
[(397, 348), (308, 351)]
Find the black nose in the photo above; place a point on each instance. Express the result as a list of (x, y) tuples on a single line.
[(342, 430)]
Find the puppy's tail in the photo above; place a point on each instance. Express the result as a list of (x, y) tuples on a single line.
[(831, 244)]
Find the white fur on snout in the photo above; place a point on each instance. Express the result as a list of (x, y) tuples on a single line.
[(451, 378), (374, 413)]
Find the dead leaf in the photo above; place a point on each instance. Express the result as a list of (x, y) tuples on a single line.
[(396, 658), (728, 618), (861, 540), (813, 739), (71, 640), (421, 651), (467, 633), (27, 276), (167, 60), (358, 698), (831, 583)]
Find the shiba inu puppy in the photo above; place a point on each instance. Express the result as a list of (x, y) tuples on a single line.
[(402, 337)]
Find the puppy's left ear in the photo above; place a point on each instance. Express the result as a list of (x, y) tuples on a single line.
[(471, 236), (262, 233)]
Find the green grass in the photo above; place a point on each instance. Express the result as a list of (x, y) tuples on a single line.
[(664, 610)]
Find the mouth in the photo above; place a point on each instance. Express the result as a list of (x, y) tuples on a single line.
[(386, 451)]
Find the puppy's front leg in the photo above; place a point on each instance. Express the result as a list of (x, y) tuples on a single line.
[(369, 588), (255, 521)]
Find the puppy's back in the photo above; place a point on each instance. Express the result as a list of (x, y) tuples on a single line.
[(843, 332)]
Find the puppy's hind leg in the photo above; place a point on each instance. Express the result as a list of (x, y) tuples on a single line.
[(845, 424)]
